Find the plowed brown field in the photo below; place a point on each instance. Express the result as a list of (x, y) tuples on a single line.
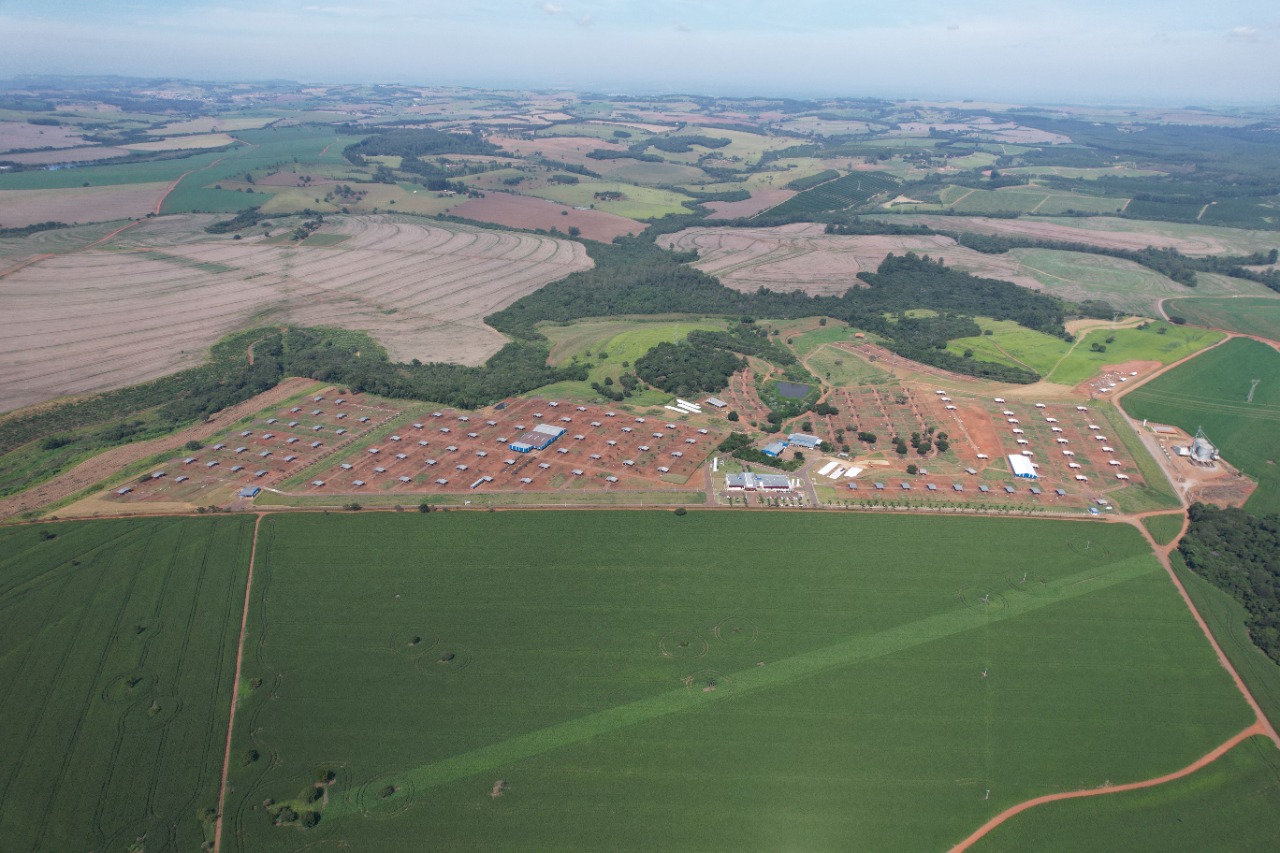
[(154, 298)]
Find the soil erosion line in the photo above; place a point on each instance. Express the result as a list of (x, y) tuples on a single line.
[(1202, 761), (235, 688)]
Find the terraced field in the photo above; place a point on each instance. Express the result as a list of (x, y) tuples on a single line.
[(155, 297)]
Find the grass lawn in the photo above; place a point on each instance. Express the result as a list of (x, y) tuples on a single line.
[(1247, 315), (839, 368), (641, 681), (1148, 344), (1229, 805), (1212, 391), (117, 649)]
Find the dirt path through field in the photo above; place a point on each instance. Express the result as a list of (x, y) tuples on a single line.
[(105, 464), (1200, 762), (235, 686)]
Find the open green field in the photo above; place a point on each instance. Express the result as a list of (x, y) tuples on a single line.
[(1232, 804), (1132, 344), (1012, 344), (637, 202), (1164, 528), (1126, 285), (117, 652), (840, 369), (644, 681), (620, 342), (1212, 391), (1249, 316), (1026, 200)]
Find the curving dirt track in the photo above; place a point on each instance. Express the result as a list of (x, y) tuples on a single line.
[(98, 468)]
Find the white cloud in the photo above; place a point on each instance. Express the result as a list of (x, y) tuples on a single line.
[(553, 9), (1245, 34)]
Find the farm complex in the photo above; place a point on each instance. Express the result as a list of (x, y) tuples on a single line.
[(398, 467)]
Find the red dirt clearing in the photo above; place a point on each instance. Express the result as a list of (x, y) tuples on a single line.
[(517, 211), (759, 201)]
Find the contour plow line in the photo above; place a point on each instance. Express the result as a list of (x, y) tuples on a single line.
[(776, 674), (1255, 730)]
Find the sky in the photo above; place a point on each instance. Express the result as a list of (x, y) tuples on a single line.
[(1163, 52)]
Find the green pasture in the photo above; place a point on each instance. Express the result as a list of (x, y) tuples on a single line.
[(1027, 199), (117, 646), (1247, 315), (746, 147), (1082, 173), (840, 368), (1126, 285), (621, 342), (1132, 344), (1211, 391), (1012, 344), (1164, 528), (598, 131), (641, 680), (637, 202), (142, 172), (1212, 239), (1232, 804), (806, 342)]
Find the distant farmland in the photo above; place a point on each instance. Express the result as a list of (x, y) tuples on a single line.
[(157, 296), (642, 681), (119, 642), (1212, 391), (854, 188)]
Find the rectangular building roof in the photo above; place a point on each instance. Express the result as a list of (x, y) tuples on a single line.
[(1021, 466)]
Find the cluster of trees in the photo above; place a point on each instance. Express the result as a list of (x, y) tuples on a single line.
[(1239, 553), (246, 218), (740, 446), (688, 368), (684, 144), (414, 142), (632, 276), (28, 230)]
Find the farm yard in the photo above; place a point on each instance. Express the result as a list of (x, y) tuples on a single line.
[(344, 447), (155, 297), (519, 677), (119, 643), (1216, 391)]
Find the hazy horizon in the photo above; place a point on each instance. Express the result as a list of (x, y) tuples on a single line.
[(1161, 54)]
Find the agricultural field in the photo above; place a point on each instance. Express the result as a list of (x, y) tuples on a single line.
[(1128, 286), (1231, 802), (1012, 344), (1164, 528), (1246, 315), (536, 214), (636, 202), (83, 204), (555, 680), (1216, 391), (843, 192), (1112, 232), (155, 297), (1129, 345), (803, 257), (119, 643)]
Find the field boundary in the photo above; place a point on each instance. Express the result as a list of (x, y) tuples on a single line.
[(1252, 731), (235, 687)]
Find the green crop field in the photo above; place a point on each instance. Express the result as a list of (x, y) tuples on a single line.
[(117, 653), (1012, 344), (1232, 804), (1027, 200), (1164, 528), (641, 680), (1213, 391), (1250, 316), (636, 203), (1131, 344)]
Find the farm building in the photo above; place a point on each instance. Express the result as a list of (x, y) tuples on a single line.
[(1021, 467), (809, 442), (717, 402), (539, 438), (750, 482), (774, 448)]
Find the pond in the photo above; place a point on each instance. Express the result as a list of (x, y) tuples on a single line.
[(792, 390)]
